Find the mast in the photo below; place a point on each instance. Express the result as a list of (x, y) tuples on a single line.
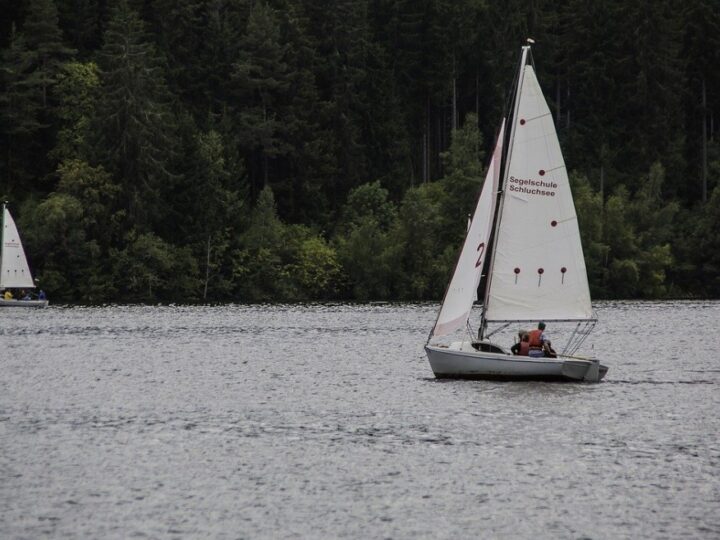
[(2, 241), (508, 153)]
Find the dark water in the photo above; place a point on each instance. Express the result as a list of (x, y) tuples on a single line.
[(326, 422)]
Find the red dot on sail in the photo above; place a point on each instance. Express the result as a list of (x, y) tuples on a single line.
[(563, 269), (541, 270), (553, 223), (522, 121), (541, 172), (517, 270)]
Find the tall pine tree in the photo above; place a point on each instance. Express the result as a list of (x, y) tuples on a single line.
[(134, 125)]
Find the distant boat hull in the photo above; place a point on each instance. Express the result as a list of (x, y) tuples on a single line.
[(23, 303), (463, 362)]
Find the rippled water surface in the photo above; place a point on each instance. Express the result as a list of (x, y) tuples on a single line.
[(326, 422)]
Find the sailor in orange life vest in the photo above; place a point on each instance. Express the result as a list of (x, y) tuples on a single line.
[(539, 343)]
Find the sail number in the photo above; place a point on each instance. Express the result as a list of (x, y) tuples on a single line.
[(481, 251)]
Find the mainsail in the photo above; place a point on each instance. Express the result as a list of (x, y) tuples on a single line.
[(460, 294), (14, 270), (538, 269)]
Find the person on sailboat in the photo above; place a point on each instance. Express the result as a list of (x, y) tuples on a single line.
[(540, 345), (522, 347), (41, 295), (8, 295), (537, 341)]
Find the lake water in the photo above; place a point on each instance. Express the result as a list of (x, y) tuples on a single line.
[(325, 421)]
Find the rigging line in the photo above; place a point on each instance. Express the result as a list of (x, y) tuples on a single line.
[(470, 330), (582, 334), (546, 319), (572, 337), (500, 328), (577, 345)]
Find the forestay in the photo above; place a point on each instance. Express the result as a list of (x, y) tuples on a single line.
[(14, 270), (460, 294), (538, 270)]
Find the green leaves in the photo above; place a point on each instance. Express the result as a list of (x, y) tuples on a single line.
[(316, 269), (368, 201), (363, 243), (77, 88), (150, 269), (627, 240), (281, 262), (53, 231)]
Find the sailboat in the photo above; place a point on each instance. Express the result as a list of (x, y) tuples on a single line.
[(14, 269), (524, 231)]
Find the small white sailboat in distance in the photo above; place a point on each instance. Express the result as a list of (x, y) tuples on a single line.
[(525, 220), (14, 269)]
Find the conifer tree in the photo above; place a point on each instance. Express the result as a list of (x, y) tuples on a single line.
[(81, 23), (362, 242), (134, 126), (258, 269), (30, 69), (77, 94), (701, 50), (260, 73), (304, 174), (178, 27), (217, 197), (20, 117), (45, 47), (340, 32)]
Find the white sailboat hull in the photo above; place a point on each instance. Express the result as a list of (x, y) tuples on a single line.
[(23, 303), (461, 363)]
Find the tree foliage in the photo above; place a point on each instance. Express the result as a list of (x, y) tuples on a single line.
[(287, 150)]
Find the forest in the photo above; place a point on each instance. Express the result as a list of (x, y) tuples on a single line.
[(330, 150)]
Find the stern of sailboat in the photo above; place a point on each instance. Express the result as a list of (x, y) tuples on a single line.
[(587, 370)]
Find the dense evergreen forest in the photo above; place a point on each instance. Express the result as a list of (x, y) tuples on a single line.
[(288, 150)]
